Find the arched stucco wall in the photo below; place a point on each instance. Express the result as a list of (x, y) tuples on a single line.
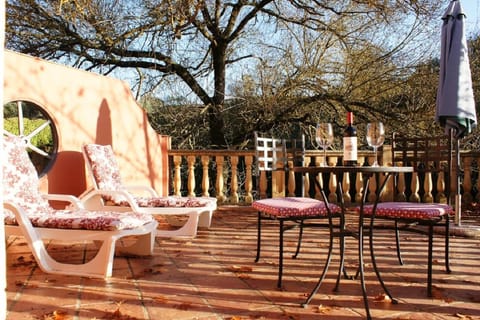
[(88, 108)]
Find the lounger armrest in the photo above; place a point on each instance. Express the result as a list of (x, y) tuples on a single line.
[(73, 201), (143, 189), (128, 197), (20, 215)]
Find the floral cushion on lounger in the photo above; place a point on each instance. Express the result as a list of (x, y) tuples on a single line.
[(84, 219), (157, 202), (107, 177), (21, 188)]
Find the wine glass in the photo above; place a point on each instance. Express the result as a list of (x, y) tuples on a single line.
[(375, 137), (324, 138)]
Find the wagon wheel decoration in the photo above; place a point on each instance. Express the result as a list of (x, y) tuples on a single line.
[(34, 125)]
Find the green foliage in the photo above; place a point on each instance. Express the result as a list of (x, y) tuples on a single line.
[(42, 139)]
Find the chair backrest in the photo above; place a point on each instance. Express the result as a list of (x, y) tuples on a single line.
[(432, 159), (20, 179), (103, 167), (273, 157), (270, 153)]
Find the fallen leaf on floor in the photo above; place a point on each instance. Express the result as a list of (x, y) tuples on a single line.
[(22, 262), (26, 285), (235, 268), (323, 309), (19, 283), (117, 315), (244, 276), (50, 280), (183, 306), (382, 297), (56, 315), (437, 293), (153, 271), (161, 299)]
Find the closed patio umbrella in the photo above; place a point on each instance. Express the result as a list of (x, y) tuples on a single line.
[(455, 109)]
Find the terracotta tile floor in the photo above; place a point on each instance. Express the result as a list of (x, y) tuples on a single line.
[(214, 276)]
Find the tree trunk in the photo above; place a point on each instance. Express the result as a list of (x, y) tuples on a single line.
[(215, 112)]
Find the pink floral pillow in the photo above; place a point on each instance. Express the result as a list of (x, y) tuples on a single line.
[(106, 172), (20, 179), (107, 177)]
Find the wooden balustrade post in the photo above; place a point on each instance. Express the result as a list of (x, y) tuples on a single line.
[(415, 197), (263, 185), (332, 187), (401, 187), (219, 184), (427, 188), (441, 198), (205, 177), (386, 158), (387, 193), (234, 180), (191, 176), (291, 181), (278, 182), (467, 196), (372, 188), (319, 177), (177, 177), (359, 188), (248, 179), (386, 155), (306, 178)]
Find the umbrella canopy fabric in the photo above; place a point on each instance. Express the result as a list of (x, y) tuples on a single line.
[(455, 102)]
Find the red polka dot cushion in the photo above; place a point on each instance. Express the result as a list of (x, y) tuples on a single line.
[(409, 210), (294, 207)]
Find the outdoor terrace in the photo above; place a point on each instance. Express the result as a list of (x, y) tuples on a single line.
[(214, 276)]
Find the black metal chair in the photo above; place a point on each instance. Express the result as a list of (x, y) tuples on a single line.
[(272, 161), (432, 159)]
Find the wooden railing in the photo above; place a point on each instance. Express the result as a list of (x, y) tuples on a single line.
[(229, 176)]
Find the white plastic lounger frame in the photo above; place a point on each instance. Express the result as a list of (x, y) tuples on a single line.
[(111, 194), (27, 212), (98, 267)]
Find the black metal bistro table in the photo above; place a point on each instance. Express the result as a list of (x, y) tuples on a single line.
[(367, 173)]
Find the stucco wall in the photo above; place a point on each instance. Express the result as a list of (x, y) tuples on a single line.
[(88, 108)]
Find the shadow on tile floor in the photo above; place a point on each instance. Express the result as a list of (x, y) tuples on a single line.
[(214, 276)]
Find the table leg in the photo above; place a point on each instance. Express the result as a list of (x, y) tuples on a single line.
[(325, 269), (330, 247), (372, 252), (360, 248)]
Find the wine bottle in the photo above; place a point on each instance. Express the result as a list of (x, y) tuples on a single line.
[(350, 142)]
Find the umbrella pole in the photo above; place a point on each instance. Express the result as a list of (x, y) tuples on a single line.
[(458, 194)]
